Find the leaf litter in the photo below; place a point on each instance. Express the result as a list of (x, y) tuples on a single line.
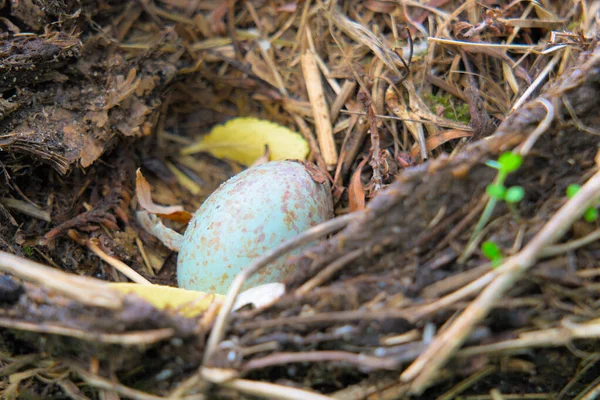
[(400, 105)]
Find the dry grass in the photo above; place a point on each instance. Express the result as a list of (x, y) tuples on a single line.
[(401, 104)]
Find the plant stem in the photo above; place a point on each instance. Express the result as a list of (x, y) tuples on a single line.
[(489, 208)]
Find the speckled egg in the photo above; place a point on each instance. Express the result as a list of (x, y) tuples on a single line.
[(248, 215)]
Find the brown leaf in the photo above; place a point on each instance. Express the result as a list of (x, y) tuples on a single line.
[(315, 172), (356, 193), (380, 6), (288, 7), (144, 195), (436, 141)]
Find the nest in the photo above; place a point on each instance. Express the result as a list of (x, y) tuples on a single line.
[(402, 104)]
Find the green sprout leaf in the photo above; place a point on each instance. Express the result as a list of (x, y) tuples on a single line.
[(495, 191), (572, 190), (510, 162), (491, 251), (514, 194), (591, 214)]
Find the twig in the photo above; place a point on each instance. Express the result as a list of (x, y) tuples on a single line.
[(310, 138), (467, 383), (142, 251), (124, 339), (329, 271), (347, 90), (521, 47), (26, 208), (445, 345), (376, 162), (314, 87), (465, 291), (102, 383), (360, 360), (272, 391), (83, 289), (536, 82), (542, 127), (328, 317), (393, 99), (119, 265), (552, 337), (335, 86), (306, 237), (593, 392), (562, 248)]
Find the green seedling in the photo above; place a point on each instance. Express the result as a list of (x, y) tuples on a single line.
[(492, 252), (591, 214), (507, 162)]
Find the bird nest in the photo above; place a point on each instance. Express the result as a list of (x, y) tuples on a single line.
[(426, 284)]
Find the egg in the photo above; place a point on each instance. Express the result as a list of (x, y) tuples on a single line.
[(245, 217)]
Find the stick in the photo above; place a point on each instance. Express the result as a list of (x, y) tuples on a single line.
[(86, 290), (424, 368), (272, 391), (117, 264), (314, 87), (329, 271)]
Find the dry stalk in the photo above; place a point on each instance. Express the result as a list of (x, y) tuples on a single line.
[(592, 393), (557, 249), (124, 339), (310, 138), (85, 290), (553, 337), (329, 271), (522, 47), (543, 126), (117, 264), (422, 370), (347, 90), (316, 95), (102, 383), (360, 360), (272, 391), (542, 75)]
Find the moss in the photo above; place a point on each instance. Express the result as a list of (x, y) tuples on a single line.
[(28, 250), (454, 110)]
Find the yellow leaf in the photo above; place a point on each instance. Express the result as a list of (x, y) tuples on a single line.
[(188, 303), (244, 139)]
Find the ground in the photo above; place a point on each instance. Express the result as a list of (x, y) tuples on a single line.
[(405, 107)]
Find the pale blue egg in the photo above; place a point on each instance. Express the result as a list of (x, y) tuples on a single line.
[(249, 214)]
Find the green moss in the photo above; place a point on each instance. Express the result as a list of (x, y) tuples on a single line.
[(28, 251), (454, 109)]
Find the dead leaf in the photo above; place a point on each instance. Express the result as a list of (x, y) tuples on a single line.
[(188, 303), (244, 139), (356, 193), (436, 141), (288, 7), (380, 6), (315, 172), (92, 149), (144, 195)]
